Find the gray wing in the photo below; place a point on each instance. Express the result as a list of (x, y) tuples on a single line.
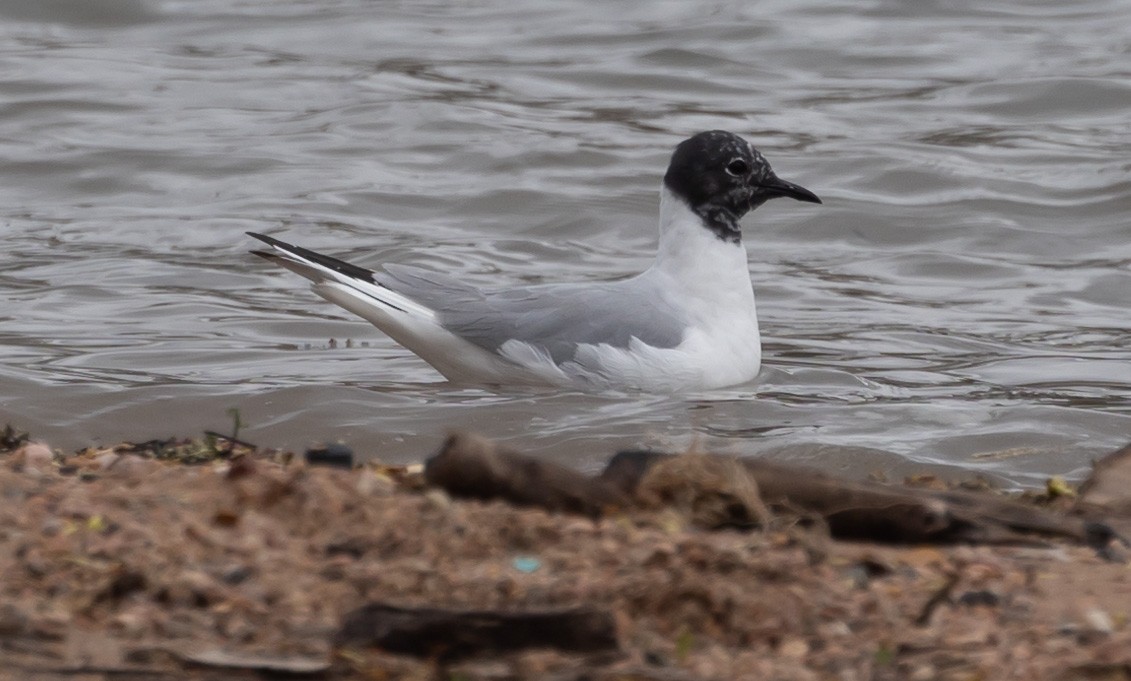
[(555, 317)]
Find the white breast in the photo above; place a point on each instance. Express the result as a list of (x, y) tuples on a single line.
[(706, 277)]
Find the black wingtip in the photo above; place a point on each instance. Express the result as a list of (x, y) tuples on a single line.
[(340, 266), (266, 239)]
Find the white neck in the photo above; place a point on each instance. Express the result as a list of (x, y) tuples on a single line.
[(696, 257), (709, 279)]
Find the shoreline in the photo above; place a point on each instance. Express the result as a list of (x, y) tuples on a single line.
[(117, 563)]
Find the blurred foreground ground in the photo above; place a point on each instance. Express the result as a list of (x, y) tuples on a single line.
[(116, 566)]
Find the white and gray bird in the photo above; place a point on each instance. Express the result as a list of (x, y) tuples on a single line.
[(688, 322)]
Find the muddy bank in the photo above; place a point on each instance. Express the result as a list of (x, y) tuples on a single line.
[(210, 559)]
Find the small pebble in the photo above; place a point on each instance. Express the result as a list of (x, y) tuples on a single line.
[(13, 620), (923, 672), (129, 624), (51, 527), (1099, 620), (438, 498), (234, 574), (526, 564), (336, 455), (107, 460), (794, 648), (33, 457), (375, 484), (982, 598)]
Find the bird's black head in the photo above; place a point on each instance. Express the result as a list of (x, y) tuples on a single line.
[(723, 177)]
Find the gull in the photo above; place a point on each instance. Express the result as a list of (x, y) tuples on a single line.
[(687, 323)]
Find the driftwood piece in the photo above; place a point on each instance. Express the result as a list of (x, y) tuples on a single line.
[(1106, 494), (878, 512), (473, 466), (851, 509), (455, 634), (1108, 488)]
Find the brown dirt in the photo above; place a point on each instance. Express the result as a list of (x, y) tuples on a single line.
[(120, 566)]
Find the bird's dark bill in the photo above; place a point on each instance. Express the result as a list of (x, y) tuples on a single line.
[(775, 187)]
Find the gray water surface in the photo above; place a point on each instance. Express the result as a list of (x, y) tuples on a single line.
[(961, 298)]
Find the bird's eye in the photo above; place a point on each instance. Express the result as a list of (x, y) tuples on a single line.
[(738, 167)]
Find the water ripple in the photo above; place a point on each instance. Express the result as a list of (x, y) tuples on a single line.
[(962, 291)]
